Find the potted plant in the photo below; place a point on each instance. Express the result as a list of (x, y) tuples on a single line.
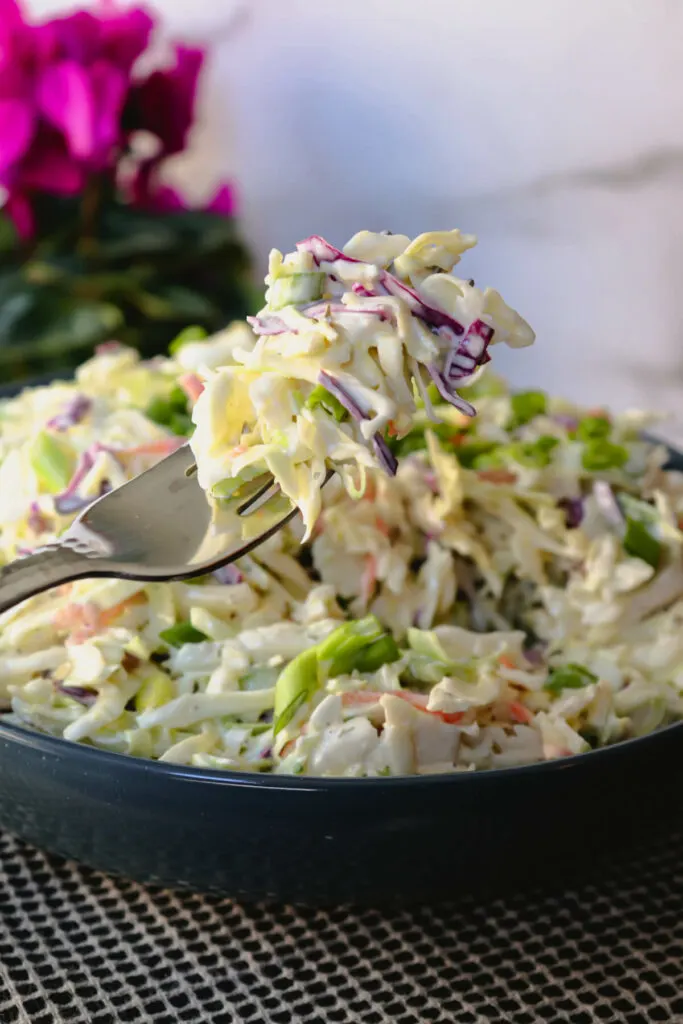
[(93, 244)]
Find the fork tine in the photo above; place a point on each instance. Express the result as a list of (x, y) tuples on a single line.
[(257, 500)]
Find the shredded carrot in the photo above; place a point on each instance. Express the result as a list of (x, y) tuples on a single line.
[(520, 713), (368, 578), (457, 439), (382, 526), (506, 661), (111, 614), (497, 476), (164, 446), (391, 429), (191, 385)]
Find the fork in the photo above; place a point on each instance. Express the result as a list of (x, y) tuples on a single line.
[(158, 526)]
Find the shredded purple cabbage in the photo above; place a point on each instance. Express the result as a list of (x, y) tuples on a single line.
[(535, 655), (323, 252), (385, 456), (78, 693), (69, 501), (447, 393), (268, 324), (332, 385), (74, 411), (573, 511), (228, 574), (470, 352), (274, 325), (36, 520)]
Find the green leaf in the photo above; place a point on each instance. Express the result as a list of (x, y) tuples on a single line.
[(296, 684), (182, 633), (526, 405), (569, 677), (599, 455), (9, 240)]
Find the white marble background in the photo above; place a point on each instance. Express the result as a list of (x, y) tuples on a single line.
[(551, 128)]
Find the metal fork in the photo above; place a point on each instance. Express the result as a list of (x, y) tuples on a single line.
[(158, 526)]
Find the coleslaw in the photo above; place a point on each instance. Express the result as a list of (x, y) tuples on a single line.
[(347, 343), (512, 594)]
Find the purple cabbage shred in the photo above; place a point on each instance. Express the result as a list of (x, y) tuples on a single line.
[(73, 412)]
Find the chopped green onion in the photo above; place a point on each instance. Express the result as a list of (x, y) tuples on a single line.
[(592, 427), (526, 405), (171, 412), (295, 685), (641, 537), (182, 633), (569, 677), (534, 453), (493, 459), (640, 543), (383, 652), (321, 396), (339, 651), (600, 454), (159, 411), (181, 424), (293, 289), (194, 333), (471, 452), (52, 461)]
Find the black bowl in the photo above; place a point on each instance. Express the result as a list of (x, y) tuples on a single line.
[(338, 840)]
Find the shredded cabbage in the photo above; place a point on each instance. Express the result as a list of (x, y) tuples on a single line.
[(346, 341), (503, 599)]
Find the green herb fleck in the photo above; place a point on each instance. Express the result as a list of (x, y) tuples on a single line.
[(182, 633), (569, 677), (599, 455)]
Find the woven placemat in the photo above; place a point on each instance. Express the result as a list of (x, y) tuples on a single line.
[(77, 946)]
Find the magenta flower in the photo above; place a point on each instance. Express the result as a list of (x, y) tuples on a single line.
[(164, 103), (63, 85)]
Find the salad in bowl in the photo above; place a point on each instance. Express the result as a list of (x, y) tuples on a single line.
[(468, 592)]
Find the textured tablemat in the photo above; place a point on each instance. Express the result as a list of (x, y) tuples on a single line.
[(76, 946)]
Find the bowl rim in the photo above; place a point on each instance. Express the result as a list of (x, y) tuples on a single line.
[(58, 746)]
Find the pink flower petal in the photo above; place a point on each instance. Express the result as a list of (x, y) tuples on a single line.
[(125, 34), (164, 103), (16, 131), (109, 86), (10, 14), (65, 97), (223, 203), (49, 167), (78, 36)]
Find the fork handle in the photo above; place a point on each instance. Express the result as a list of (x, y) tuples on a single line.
[(47, 568)]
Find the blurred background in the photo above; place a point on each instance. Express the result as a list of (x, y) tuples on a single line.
[(554, 131)]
